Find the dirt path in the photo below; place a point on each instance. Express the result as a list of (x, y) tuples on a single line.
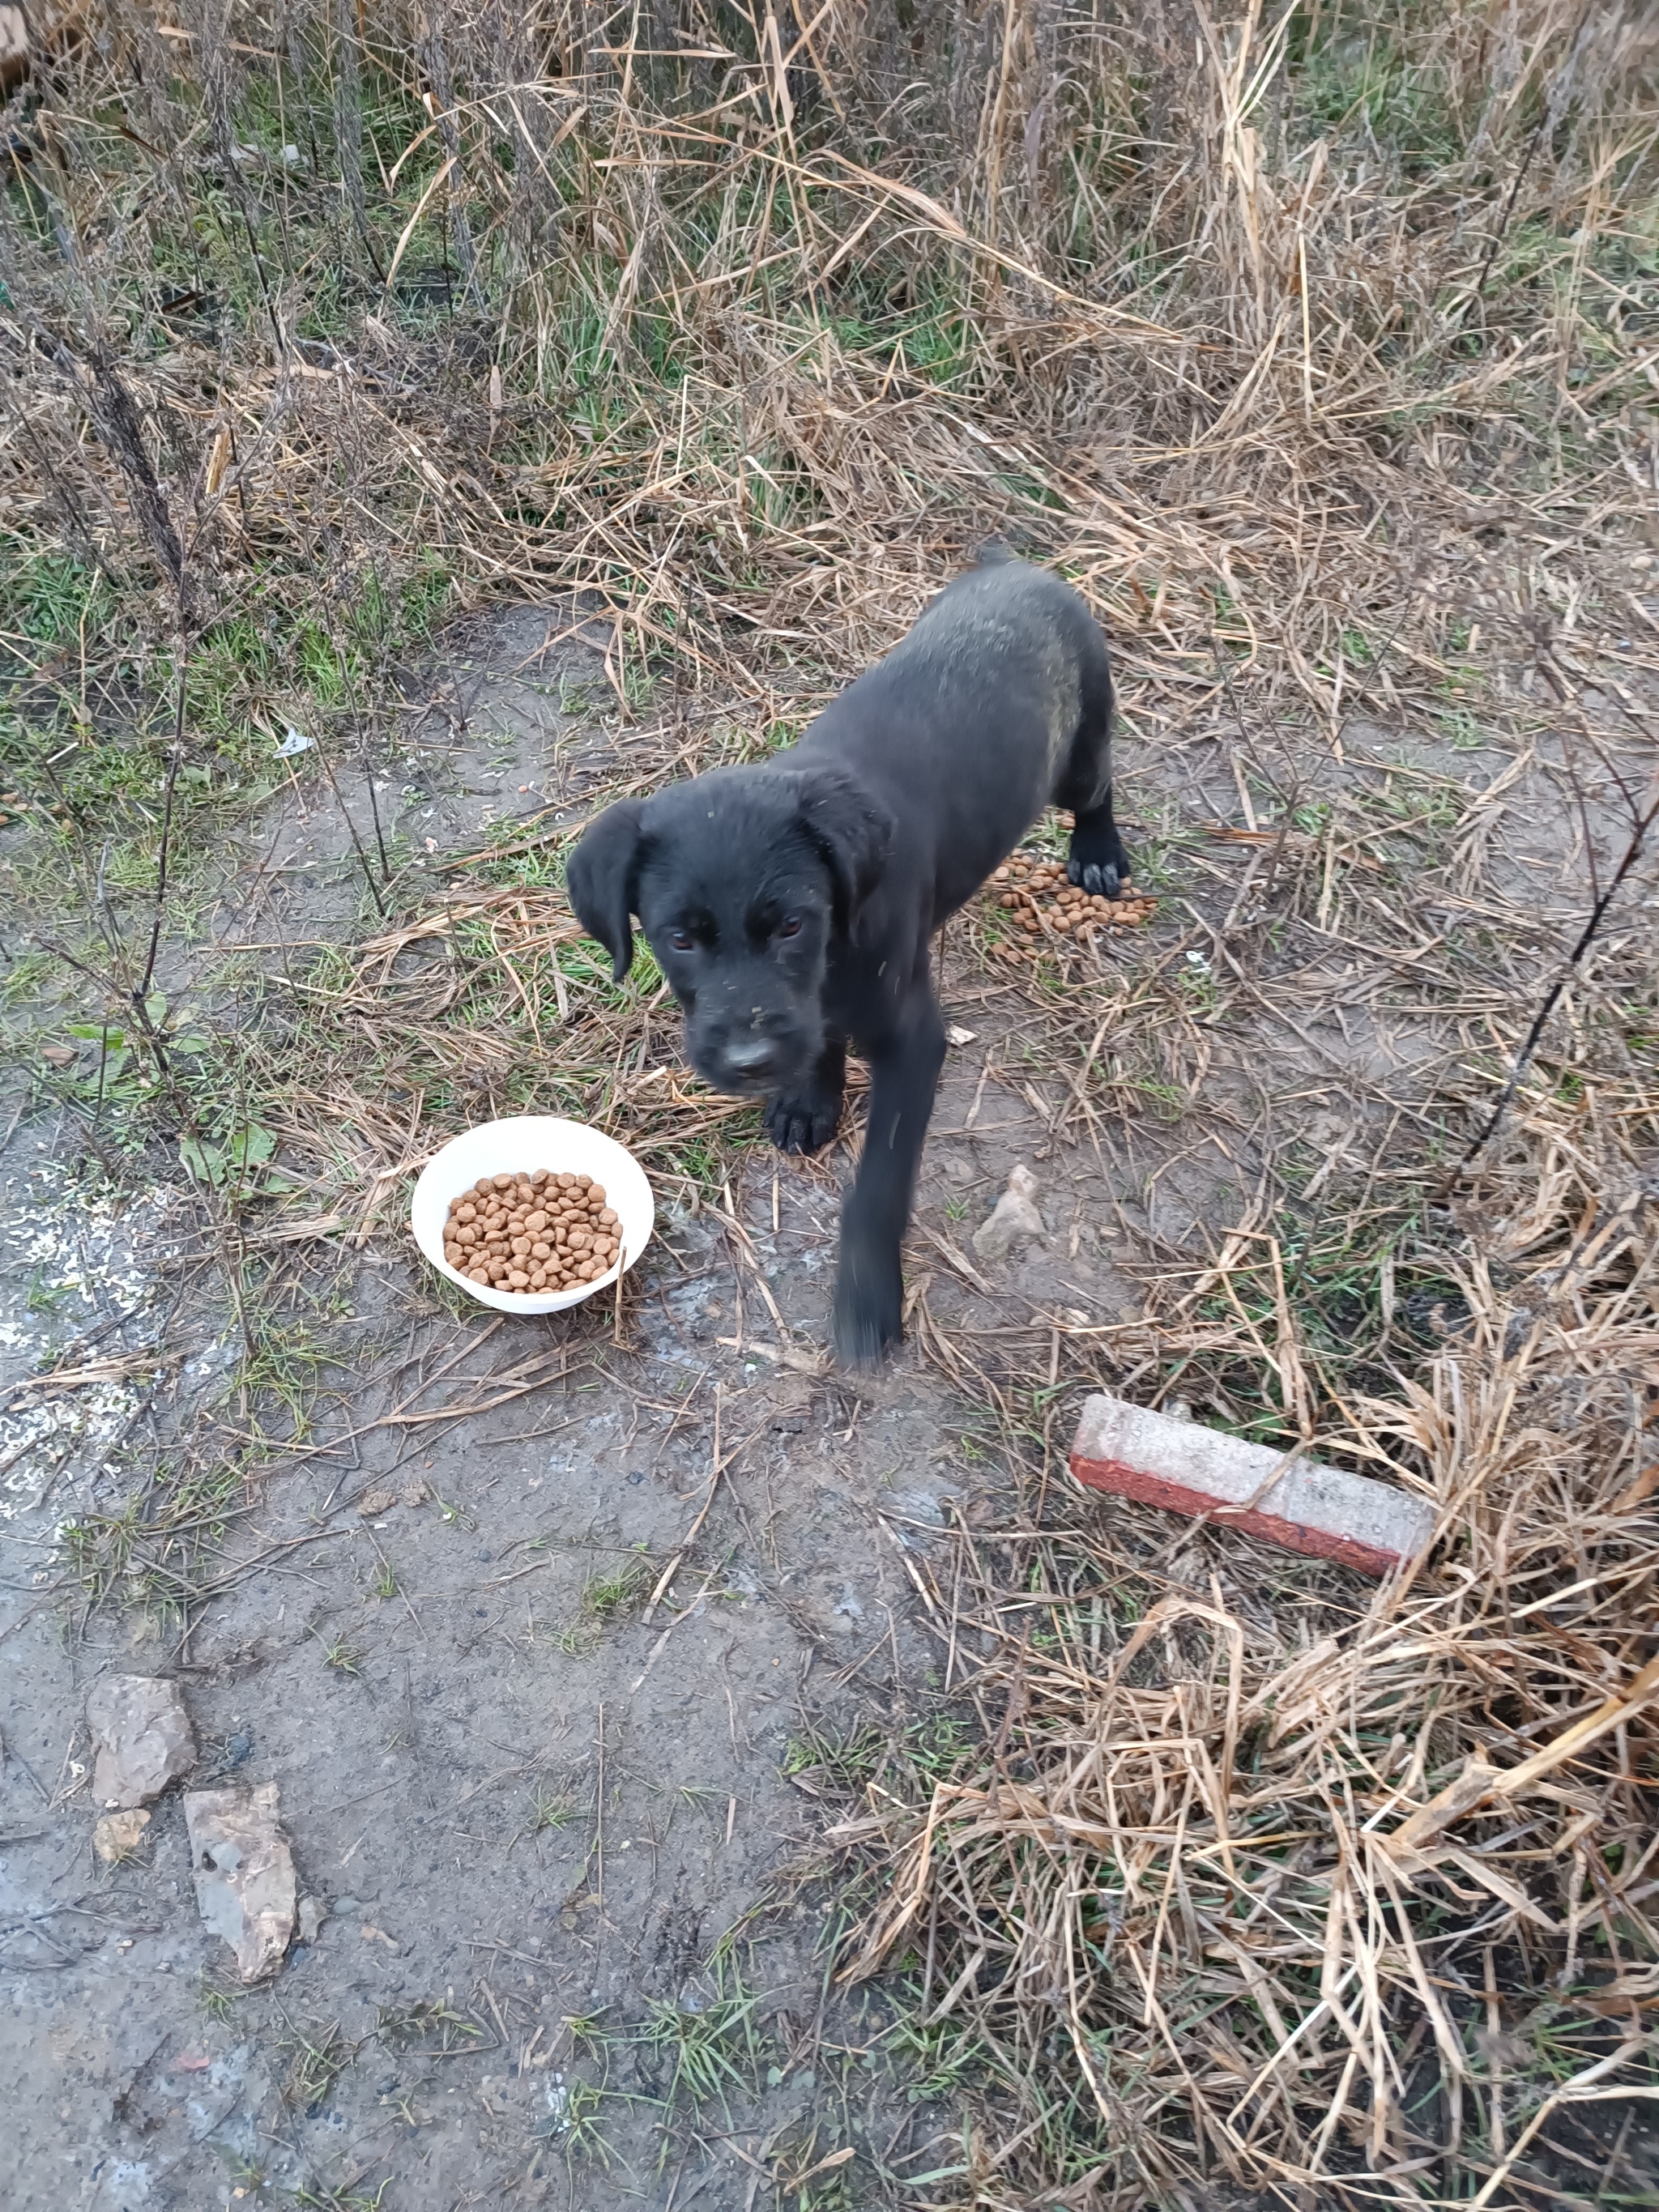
[(521, 1799), (552, 1827), (525, 1800)]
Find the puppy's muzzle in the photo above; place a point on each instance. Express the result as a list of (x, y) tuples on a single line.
[(750, 1062), (751, 1059)]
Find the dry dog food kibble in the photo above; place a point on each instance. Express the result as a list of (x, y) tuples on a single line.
[(541, 1232), (1041, 904)]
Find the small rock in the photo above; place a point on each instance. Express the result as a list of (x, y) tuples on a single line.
[(418, 1492), (244, 1873), (373, 1502), (313, 1911), (116, 1835), (1016, 1216), (142, 1738)]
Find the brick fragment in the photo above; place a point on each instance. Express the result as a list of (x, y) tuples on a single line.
[(1186, 1468)]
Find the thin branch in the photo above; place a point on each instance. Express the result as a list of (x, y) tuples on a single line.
[(1552, 997)]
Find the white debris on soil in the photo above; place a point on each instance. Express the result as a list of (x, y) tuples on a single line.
[(142, 1738), (244, 1871), (127, 2185), (79, 1253), (1016, 1216)]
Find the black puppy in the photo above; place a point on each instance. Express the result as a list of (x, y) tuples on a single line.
[(790, 905)]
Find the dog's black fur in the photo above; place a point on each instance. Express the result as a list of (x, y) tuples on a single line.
[(791, 905)]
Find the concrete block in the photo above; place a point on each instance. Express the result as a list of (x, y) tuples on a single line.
[(1188, 1468)]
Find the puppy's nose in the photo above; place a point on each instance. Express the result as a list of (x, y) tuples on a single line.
[(750, 1054)]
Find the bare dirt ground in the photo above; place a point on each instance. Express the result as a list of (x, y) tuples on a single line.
[(570, 1950)]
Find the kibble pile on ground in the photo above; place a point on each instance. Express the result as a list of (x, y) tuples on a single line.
[(1039, 900), (540, 1231)]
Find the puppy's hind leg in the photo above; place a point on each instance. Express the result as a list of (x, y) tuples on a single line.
[(803, 1121), (1097, 861)]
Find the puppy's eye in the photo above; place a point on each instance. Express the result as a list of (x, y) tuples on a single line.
[(681, 939), (789, 927)]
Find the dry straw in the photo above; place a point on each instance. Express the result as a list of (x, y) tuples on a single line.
[(750, 344), (1319, 350), (1256, 1888)]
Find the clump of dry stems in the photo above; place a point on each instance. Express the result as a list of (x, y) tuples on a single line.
[(1359, 1913), (1271, 327)]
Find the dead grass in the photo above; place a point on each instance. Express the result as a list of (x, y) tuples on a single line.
[(1347, 1899), (1259, 1880), (1318, 350), (1274, 338)]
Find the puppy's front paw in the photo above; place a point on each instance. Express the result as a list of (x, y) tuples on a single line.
[(804, 1124), (869, 1312), (1098, 881), (1097, 863), (863, 1332)]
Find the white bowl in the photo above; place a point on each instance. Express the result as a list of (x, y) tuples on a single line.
[(517, 1147)]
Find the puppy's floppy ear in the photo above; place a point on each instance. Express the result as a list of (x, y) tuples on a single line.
[(853, 830), (602, 877)]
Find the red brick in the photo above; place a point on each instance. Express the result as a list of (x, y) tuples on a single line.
[(1185, 1468)]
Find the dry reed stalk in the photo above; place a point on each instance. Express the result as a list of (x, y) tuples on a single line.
[(1337, 272)]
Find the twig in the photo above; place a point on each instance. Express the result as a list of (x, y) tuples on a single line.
[(142, 994), (1586, 938)]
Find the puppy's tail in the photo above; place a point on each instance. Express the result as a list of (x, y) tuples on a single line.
[(993, 554)]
